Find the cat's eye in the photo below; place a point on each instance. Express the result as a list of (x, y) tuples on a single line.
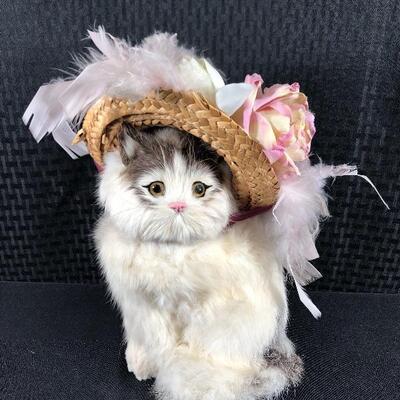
[(156, 188), (199, 189)]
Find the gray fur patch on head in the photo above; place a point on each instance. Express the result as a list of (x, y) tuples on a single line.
[(154, 148)]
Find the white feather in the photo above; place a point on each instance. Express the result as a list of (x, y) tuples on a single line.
[(116, 68), (294, 223)]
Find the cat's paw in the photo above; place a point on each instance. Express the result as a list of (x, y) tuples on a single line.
[(284, 346), (290, 365), (139, 363), (269, 383), (276, 375)]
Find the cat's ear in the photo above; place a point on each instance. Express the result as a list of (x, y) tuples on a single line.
[(128, 143)]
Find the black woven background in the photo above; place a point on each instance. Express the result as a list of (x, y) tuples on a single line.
[(345, 54)]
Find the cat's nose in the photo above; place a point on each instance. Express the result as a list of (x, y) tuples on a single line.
[(177, 206)]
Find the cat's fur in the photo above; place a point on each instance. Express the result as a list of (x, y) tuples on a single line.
[(204, 305)]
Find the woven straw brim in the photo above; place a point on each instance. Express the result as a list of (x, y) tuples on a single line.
[(253, 178)]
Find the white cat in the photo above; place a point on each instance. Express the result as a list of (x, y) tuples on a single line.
[(203, 303)]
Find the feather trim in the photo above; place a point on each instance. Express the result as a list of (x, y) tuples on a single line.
[(115, 68), (295, 218)]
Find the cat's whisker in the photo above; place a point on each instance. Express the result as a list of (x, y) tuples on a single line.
[(122, 212)]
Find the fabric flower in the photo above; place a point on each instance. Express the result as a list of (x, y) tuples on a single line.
[(202, 76), (277, 117)]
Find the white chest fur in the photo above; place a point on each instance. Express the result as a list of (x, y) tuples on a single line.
[(233, 265)]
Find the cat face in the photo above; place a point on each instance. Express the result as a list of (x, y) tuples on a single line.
[(168, 186)]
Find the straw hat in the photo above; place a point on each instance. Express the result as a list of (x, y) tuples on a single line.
[(254, 180), (155, 83)]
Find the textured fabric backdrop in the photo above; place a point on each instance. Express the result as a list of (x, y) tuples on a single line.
[(345, 54)]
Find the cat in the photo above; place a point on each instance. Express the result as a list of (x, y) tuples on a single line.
[(203, 302)]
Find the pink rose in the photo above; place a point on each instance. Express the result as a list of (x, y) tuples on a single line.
[(278, 117)]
